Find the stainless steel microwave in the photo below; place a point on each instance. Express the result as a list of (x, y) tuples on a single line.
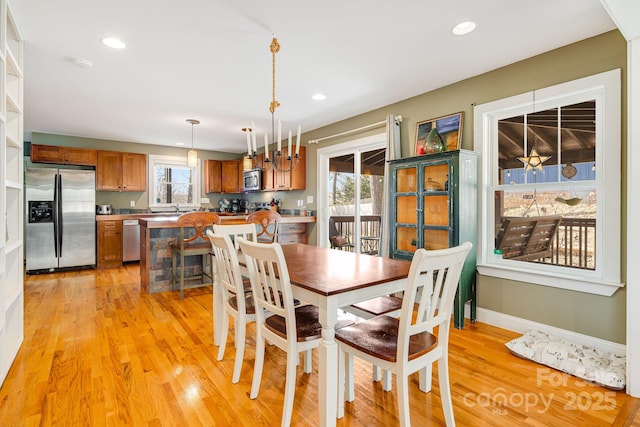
[(252, 180)]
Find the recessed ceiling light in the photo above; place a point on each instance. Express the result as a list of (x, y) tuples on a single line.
[(80, 62), (318, 97), (113, 42), (180, 144), (463, 28)]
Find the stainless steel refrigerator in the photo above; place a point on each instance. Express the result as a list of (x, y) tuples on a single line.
[(60, 219)]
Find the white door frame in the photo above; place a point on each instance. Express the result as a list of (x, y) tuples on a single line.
[(367, 143)]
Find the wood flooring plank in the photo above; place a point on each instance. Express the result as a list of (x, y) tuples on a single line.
[(97, 352)]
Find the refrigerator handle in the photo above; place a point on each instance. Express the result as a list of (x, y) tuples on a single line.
[(55, 215), (59, 209)]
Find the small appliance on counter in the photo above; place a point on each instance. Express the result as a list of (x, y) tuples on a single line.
[(239, 205), (104, 210), (262, 206), (224, 204)]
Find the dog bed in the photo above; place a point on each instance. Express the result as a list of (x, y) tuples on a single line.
[(591, 364)]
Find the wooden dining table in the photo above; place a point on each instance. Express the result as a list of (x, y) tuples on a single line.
[(331, 279)]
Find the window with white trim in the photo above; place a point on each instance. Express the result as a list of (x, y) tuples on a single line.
[(173, 182), (550, 185)]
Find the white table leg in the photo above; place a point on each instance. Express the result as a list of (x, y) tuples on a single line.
[(328, 368), (218, 311)]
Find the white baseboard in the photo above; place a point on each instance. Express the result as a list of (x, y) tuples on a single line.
[(520, 325)]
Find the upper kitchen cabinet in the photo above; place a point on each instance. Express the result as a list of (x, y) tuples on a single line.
[(232, 176), (116, 171), (299, 173), (223, 176), (63, 155), (212, 176), (283, 178)]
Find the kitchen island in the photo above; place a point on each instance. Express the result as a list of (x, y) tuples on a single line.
[(156, 233)]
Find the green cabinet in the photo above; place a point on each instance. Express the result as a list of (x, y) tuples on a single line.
[(434, 205)]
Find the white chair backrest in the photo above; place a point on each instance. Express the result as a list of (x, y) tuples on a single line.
[(432, 284), (248, 231), (270, 281), (228, 268)]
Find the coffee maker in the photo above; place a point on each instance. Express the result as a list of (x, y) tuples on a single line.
[(239, 205)]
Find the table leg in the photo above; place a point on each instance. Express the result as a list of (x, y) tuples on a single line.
[(328, 368), (218, 311)]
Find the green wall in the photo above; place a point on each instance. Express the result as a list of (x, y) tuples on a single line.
[(598, 316)]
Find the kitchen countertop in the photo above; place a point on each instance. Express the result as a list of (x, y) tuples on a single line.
[(169, 221), (119, 217)]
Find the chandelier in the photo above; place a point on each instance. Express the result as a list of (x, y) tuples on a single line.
[(275, 159)]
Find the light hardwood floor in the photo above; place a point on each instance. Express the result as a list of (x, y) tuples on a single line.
[(98, 353)]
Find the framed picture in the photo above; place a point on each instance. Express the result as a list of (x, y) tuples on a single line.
[(439, 134)]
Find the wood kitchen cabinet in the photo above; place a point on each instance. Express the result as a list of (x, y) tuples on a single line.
[(434, 206), (212, 176), (289, 234), (109, 243), (223, 176), (63, 155), (231, 171), (283, 179), (117, 171)]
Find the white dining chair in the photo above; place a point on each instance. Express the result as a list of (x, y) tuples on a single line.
[(237, 303), (294, 329), (407, 344), (234, 231), (248, 231)]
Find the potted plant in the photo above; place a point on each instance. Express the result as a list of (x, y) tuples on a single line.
[(414, 244)]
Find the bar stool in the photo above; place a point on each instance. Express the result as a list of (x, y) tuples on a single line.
[(268, 225), (191, 244)]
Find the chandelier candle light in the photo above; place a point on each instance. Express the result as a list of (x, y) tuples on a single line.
[(275, 161)]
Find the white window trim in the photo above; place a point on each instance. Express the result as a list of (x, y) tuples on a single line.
[(605, 280), (177, 161)]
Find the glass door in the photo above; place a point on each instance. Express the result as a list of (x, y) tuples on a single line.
[(354, 199), (436, 206), (406, 204)]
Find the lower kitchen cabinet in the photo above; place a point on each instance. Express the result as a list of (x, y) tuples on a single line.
[(109, 243), (289, 234)]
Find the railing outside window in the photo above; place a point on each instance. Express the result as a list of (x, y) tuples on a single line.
[(369, 231), (574, 244)]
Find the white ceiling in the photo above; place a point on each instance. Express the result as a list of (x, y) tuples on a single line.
[(210, 60)]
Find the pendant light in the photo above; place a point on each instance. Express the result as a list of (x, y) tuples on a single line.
[(534, 160), (192, 155)]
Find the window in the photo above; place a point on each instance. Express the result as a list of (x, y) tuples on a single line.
[(550, 185), (173, 183)]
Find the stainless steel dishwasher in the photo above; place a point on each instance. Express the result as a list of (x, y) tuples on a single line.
[(130, 240)]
